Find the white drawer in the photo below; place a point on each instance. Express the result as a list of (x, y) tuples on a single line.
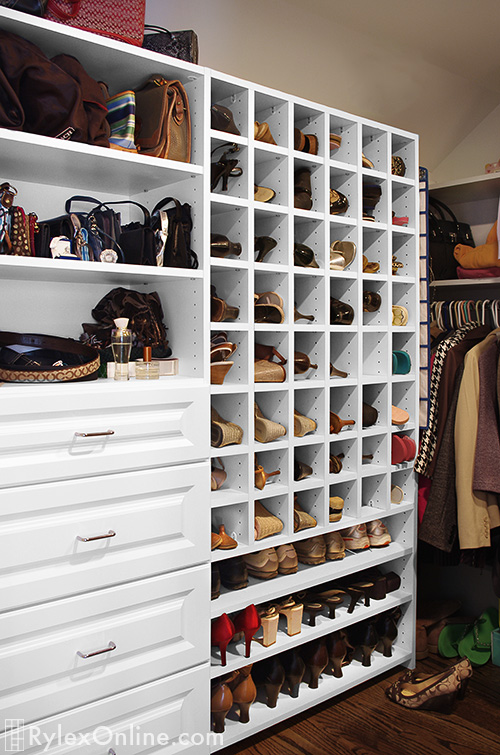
[(129, 723), (160, 518), (158, 625), (41, 429)]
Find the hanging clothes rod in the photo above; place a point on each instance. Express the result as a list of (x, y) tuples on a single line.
[(453, 314)]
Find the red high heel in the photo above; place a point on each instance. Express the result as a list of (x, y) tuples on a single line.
[(222, 633), (248, 622)]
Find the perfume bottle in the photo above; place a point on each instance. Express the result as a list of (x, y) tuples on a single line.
[(121, 344), (145, 369)]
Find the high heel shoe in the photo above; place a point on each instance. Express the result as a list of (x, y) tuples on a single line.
[(315, 657), (337, 651), (248, 622), (303, 194), (269, 619), (224, 433), (364, 637), (220, 246), (266, 524), (270, 674), (437, 692), (336, 424), (224, 168), (221, 310), (295, 668), (264, 245), (263, 351), (303, 256), (265, 429), (293, 613), (261, 476), (302, 424), (244, 691), (222, 632), (302, 363), (299, 316), (262, 133), (219, 364), (341, 313), (218, 476), (334, 372), (387, 630), (305, 142), (269, 308), (301, 470), (220, 704)]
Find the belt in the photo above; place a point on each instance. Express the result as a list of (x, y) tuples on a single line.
[(21, 368)]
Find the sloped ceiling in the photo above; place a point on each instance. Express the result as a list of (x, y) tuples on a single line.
[(427, 66)]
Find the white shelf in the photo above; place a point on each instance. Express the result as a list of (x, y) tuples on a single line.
[(475, 188)]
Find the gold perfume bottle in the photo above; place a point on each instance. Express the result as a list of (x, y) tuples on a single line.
[(145, 369)]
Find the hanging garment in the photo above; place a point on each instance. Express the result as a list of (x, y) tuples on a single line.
[(487, 457), (476, 512)]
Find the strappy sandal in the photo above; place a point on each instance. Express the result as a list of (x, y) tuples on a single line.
[(261, 477), (220, 310), (218, 475), (262, 133), (265, 429), (302, 520), (266, 524), (370, 267), (220, 246), (303, 256), (299, 316), (263, 194), (224, 433), (264, 245), (224, 168), (342, 254), (302, 424), (399, 315)]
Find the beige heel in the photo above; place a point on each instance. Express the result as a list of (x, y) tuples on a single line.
[(293, 613), (269, 619)]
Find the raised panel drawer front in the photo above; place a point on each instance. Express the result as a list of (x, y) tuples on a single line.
[(74, 536), (165, 716), (53, 432), (67, 653)]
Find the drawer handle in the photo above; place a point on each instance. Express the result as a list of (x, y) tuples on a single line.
[(96, 537), (110, 647), (94, 435)]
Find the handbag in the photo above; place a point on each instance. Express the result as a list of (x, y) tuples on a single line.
[(182, 45), (444, 235), (121, 119), (163, 122), (110, 18), (17, 227), (34, 7), (172, 232), (50, 359)]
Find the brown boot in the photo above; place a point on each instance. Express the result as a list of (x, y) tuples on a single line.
[(221, 702), (244, 691)]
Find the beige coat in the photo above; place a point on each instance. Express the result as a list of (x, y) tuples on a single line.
[(477, 512)]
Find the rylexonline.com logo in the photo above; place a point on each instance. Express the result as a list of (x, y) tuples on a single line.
[(20, 738)]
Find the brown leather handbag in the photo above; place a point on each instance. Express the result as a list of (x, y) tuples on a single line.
[(163, 122)]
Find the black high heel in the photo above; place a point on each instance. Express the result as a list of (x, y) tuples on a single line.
[(364, 636), (387, 630), (224, 168)]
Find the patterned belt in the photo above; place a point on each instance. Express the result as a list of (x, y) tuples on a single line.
[(33, 372)]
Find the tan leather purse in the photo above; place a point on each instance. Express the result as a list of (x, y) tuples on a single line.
[(163, 122)]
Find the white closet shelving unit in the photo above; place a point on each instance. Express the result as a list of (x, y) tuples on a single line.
[(147, 590)]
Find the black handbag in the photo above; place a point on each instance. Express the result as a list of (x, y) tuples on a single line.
[(173, 245), (444, 235), (34, 7), (182, 45)]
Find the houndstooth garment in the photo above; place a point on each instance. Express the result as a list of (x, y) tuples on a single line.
[(428, 437)]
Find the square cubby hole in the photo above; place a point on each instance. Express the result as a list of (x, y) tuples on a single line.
[(404, 479), (232, 222), (345, 449), (311, 122), (315, 182), (309, 300), (340, 231), (235, 98), (345, 291), (224, 151), (277, 505), (376, 250), (274, 406), (313, 456), (404, 147), (238, 373), (236, 468), (375, 294), (271, 282), (271, 172), (312, 501), (401, 528), (374, 493), (403, 295), (371, 185), (274, 226), (375, 355), (280, 342), (373, 453), (348, 491), (405, 342), (403, 249), (405, 568), (403, 396), (346, 152), (376, 396), (343, 403), (309, 232), (309, 349), (232, 407), (346, 183), (343, 356), (230, 286), (272, 110), (234, 518), (410, 444), (403, 204), (310, 402), (375, 146), (273, 460)]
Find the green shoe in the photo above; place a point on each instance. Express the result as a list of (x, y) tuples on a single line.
[(450, 637), (476, 644)]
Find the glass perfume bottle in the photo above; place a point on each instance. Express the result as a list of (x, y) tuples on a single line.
[(121, 344), (146, 369)]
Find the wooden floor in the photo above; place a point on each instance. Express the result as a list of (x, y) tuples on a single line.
[(364, 722)]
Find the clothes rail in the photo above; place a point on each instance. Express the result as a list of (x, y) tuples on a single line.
[(453, 314)]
